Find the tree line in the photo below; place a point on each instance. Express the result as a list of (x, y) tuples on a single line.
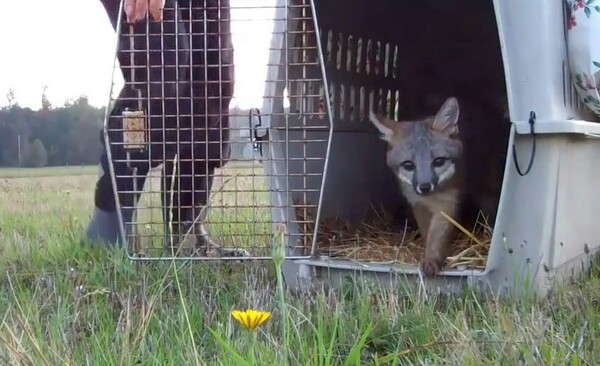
[(50, 136)]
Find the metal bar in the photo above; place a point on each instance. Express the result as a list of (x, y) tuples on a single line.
[(330, 138), (187, 73)]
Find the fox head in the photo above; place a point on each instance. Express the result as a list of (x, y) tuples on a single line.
[(423, 154)]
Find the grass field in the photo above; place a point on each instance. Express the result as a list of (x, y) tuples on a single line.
[(65, 303)]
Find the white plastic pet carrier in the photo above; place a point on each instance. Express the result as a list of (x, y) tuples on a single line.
[(318, 159)]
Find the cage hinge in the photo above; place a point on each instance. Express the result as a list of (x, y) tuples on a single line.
[(533, 147), (255, 138)]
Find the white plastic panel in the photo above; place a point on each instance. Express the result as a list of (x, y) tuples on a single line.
[(554, 126), (577, 208), (534, 51)]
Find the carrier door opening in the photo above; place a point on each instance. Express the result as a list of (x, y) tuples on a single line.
[(403, 60)]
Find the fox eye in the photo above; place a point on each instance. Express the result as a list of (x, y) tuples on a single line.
[(408, 165), (439, 162)]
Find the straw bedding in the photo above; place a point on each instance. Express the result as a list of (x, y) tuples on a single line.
[(381, 241)]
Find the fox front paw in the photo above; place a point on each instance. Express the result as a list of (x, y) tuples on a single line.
[(431, 266), (233, 252)]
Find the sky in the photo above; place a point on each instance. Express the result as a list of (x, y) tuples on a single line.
[(69, 45)]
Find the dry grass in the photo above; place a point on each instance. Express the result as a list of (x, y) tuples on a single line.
[(63, 303), (381, 240)]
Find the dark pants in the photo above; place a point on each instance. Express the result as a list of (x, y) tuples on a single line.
[(186, 101)]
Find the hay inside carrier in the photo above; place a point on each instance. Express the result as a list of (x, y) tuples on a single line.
[(381, 240)]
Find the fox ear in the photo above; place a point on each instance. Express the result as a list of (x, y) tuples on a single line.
[(384, 125), (447, 117)]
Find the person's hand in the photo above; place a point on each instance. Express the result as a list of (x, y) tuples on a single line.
[(136, 10)]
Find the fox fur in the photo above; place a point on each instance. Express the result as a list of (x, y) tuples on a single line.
[(427, 156)]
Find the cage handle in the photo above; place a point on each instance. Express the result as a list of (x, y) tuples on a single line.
[(533, 148)]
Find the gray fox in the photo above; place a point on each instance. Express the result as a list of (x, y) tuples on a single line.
[(427, 158)]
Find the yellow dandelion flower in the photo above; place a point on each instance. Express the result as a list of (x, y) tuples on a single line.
[(250, 319)]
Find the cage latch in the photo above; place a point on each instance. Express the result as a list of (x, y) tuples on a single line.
[(533, 147), (256, 139)]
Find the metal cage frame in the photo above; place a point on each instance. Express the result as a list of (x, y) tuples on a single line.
[(292, 15)]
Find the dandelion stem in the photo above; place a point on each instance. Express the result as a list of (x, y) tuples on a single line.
[(252, 345), (283, 319), (278, 253)]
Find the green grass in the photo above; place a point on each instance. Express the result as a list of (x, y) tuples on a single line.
[(48, 171), (239, 214), (65, 303)]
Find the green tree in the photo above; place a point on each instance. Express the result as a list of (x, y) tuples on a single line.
[(46, 105), (10, 97), (68, 134), (37, 156)]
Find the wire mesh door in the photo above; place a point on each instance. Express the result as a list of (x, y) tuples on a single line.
[(192, 174)]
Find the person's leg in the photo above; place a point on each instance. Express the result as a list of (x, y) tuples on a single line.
[(221, 80), (212, 90), (151, 50), (104, 224)]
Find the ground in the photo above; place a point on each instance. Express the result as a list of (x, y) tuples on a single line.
[(63, 302)]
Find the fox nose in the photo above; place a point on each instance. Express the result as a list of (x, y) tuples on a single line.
[(425, 187)]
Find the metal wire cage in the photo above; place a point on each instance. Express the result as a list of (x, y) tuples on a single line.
[(193, 175)]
